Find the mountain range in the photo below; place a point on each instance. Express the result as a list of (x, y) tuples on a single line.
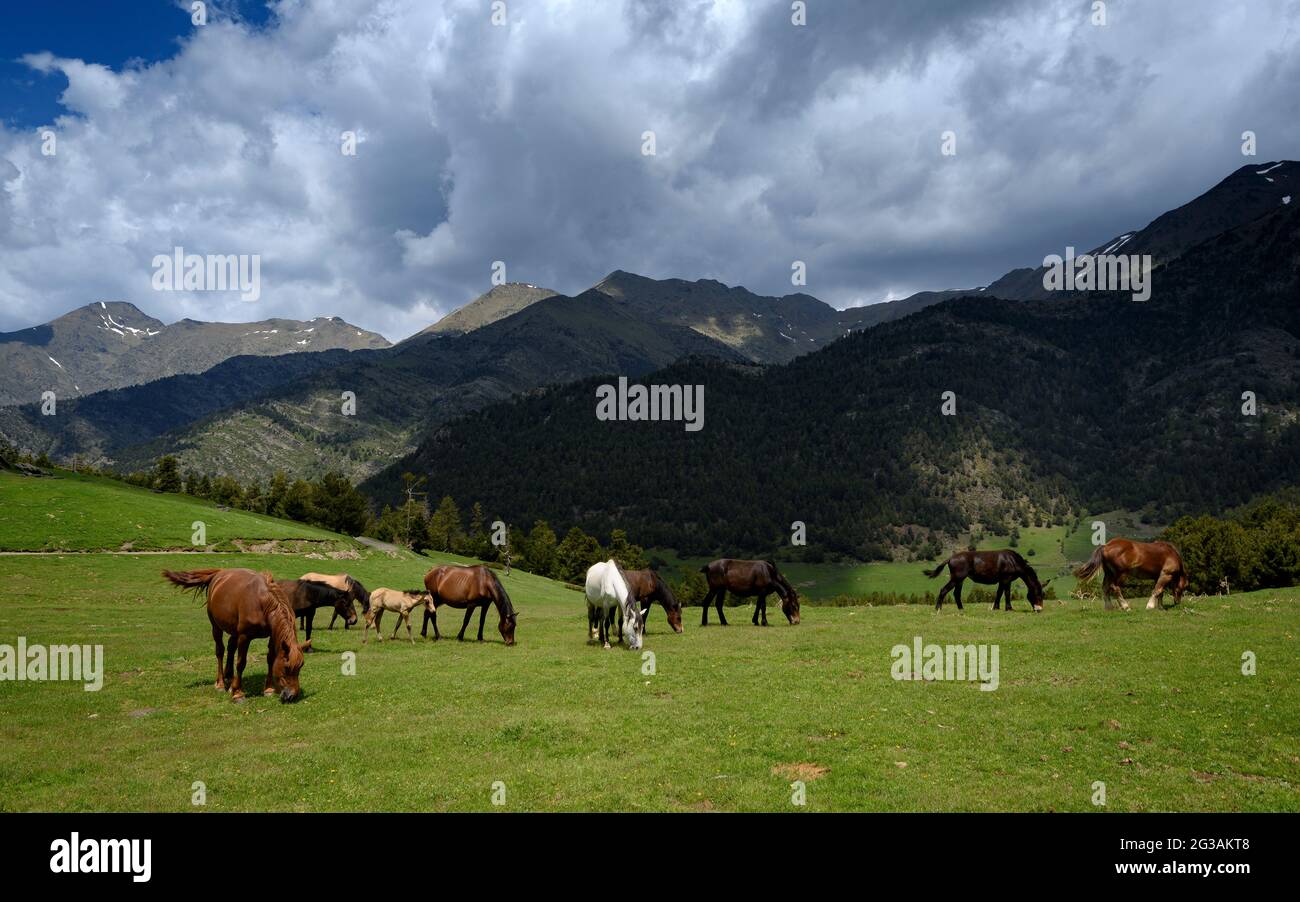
[(487, 383), (112, 344)]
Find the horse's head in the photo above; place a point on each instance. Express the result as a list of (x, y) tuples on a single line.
[(345, 607), (359, 593), (1035, 593), (507, 626), (633, 623), (790, 606), (284, 670), (672, 606)]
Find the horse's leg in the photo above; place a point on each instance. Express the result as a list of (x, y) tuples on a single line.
[(1158, 592), (469, 612), (333, 617), (482, 618), (758, 603), (424, 627), (1118, 594), (409, 634), (956, 594), (704, 616), (722, 597), (230, 661), (237, 688), (1006, 587), (269, 688), (436, 635), (605, 617), (379, 615), (217, 637), (397, 626), (943, 593)]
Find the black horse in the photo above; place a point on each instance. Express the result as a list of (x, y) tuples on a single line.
[(987, 567), (747, 579), (306, 596)]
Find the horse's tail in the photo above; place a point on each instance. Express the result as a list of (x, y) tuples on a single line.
[(936, 571), (1093, 564), (196, 581)]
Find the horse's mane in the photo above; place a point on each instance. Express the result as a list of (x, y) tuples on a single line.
[(661, 586), (779, 578), (362, 593), (507, 608), (279, 612)]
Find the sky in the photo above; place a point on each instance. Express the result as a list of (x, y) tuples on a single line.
[(522, 147)]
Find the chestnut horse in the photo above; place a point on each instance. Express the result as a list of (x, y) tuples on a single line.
[(987, 567), (748, 578), (306, 595), (1151, 560), (344, 583), (649, 587), (249, 605), (468, 588)]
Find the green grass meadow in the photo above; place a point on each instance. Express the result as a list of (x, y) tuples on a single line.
[(1152, 703)]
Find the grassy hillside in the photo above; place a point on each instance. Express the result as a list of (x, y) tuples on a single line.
[(90, 513), (1152, 703)]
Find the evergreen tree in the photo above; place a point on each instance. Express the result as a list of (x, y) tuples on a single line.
[(542, 550), (339, 506), (445, 526), (575, 554), (167, 475)]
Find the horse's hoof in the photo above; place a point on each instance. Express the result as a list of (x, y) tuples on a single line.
[(268, 692), (237, 698), (219, 686), (608, 646)]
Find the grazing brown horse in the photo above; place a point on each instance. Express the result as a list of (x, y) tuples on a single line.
[(649, 587), (306, 595), (344, 583), (468, 588), (746, 579), (987, 567), (249, 605), (1151, 560)]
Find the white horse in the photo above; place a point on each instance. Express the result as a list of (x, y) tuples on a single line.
[(606, 587), (393, 600)]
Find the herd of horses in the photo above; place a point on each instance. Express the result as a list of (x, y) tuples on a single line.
[(247, 605)]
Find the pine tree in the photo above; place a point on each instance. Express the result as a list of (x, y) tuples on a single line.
[(445, 526), (167, 475)]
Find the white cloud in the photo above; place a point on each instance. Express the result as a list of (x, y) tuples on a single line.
[(522, 144)]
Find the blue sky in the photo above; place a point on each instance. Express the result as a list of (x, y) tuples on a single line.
[(521, 143), (115, 33)]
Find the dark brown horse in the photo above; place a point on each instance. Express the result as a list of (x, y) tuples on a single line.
[(649, 587), (248, 605), (987, 567), (1150, 560), (748, 579), (306, 595), (344, 583), (468, 588)]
